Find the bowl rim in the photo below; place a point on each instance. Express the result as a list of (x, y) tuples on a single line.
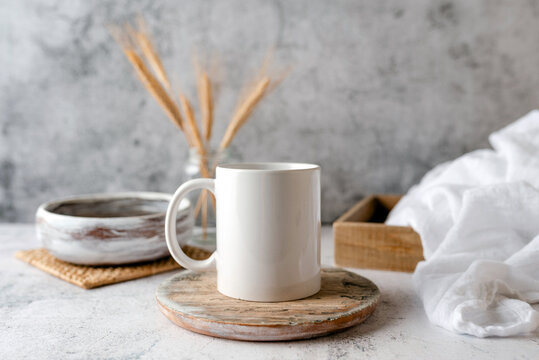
[(144, 195)]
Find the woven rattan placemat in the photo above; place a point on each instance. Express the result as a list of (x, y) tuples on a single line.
[(89, 277)]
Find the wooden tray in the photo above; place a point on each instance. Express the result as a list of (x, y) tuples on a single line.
[(191, 300), (362, 240)]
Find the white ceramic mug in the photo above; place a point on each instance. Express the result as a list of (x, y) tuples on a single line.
[(268, 230)]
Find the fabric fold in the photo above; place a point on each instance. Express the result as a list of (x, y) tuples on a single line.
[(478, 218)]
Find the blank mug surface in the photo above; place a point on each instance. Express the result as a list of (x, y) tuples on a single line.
[(268, 230)]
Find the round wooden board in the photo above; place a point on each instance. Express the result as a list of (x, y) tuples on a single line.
[(191, 300)]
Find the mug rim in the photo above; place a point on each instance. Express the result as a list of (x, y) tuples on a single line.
[(268, 166)]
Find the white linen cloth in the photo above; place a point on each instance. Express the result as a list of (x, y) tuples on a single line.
[(478, 218)]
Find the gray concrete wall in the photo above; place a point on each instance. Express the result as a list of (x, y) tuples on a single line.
[(381, 91)]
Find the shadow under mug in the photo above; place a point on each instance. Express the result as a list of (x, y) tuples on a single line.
[(268, 230)]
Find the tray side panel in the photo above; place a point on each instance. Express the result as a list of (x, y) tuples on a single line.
[(370, 245)]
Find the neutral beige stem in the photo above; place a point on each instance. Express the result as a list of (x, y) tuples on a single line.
[(204, 213), (194, 132), (151, 56), (155, 88), (204, 171), (241, 116), (206, 104), (198, 205)]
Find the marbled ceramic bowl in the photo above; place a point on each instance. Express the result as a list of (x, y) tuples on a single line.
[(105, 229)]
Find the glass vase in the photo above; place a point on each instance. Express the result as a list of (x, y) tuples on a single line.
[(203, 202)]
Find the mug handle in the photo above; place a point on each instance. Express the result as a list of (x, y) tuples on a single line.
[(170, 226)]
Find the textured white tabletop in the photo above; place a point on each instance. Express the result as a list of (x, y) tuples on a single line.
[(44, 317)]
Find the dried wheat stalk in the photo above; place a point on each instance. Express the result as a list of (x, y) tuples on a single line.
[(140, 51), (155, 62), (204, 196), (243, 112), (198, 206), (155, 88), (188, 111), (206, 104)]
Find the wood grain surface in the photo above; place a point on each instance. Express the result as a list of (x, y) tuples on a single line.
[(362, 239), (191, 300)]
